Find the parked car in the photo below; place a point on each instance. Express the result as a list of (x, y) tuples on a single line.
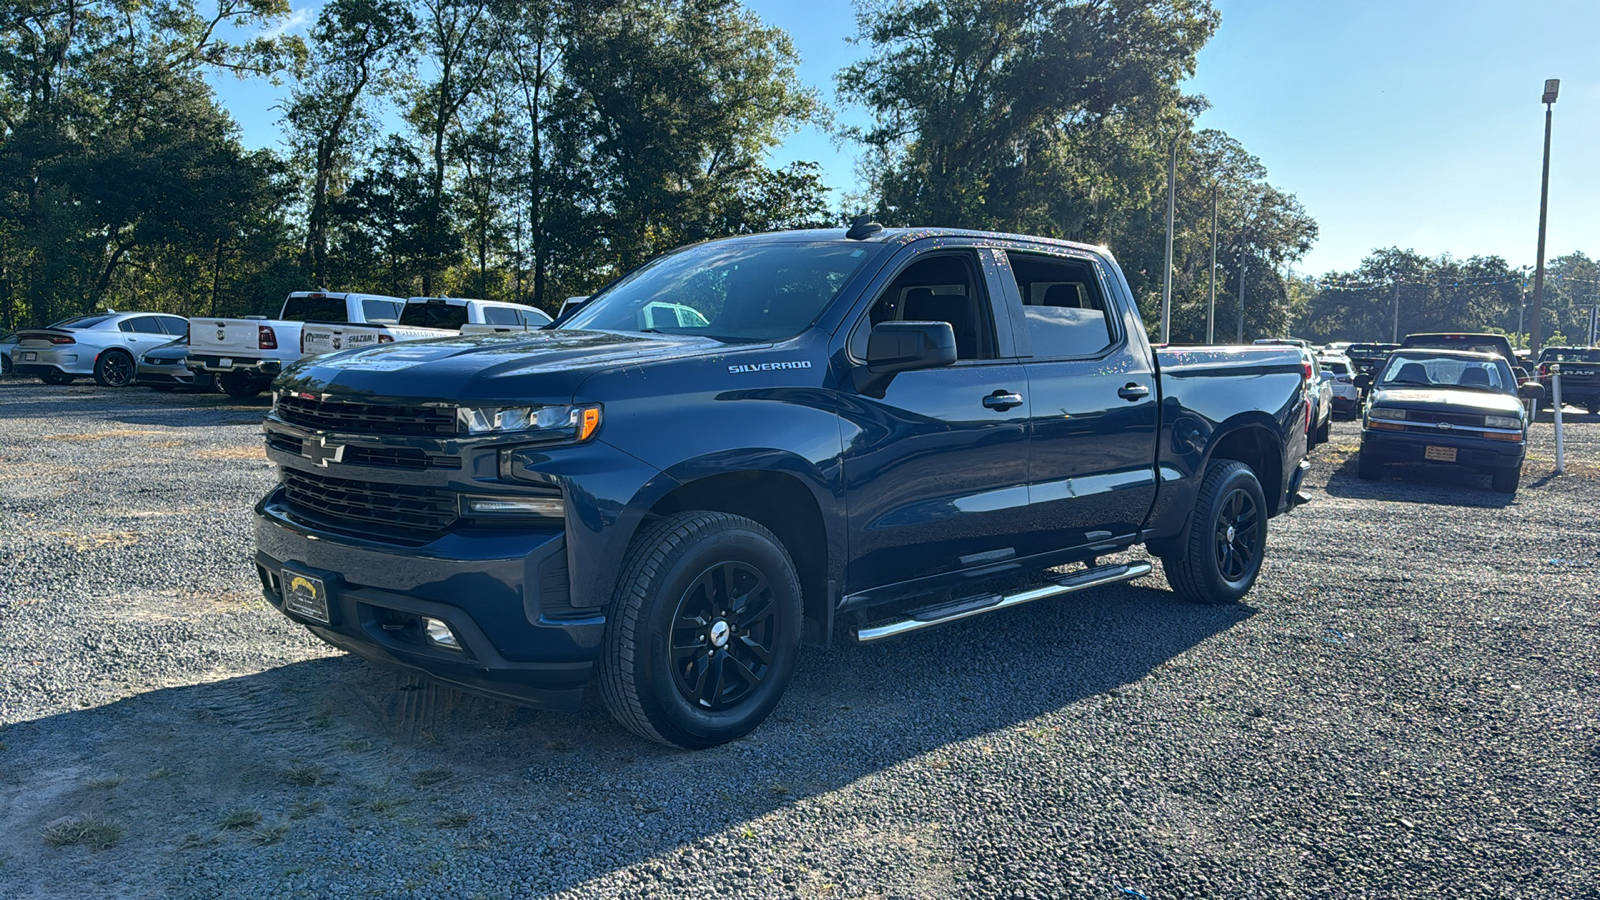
[(8, 343), (104, 345), (1321, 420), (673, 512), (425, 317), (1580, 376), (1449, 407), (1341, 378), (245, 354), (1498, 344), (1367, 357), (163, 369), (1282, 342)]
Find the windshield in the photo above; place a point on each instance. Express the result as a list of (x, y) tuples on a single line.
[(80, 322), (1570, 354), (1336, 367), (1407, 369), (435, 315), (729, 291)]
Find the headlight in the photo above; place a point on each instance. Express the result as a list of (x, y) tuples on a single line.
[(566, 422), (1389, 413), (1502, 422)]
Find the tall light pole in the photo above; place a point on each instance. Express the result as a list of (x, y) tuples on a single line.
[(1551, 87), (1242, 268), (1395, 328), (1166, 275), (1211, 295)]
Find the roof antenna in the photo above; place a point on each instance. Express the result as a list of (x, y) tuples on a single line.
[(862, 228)]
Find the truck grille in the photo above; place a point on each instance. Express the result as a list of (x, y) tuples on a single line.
[(367, 418), (1453, 418), (389, 505)]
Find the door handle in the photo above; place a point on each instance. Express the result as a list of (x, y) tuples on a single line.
[(1002, 400), (1133, 391)]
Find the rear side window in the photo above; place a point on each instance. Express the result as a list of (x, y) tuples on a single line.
[(500, 315), (142, 325), (315, 309), (380, 310), (435, 315), (1063, 306), (174, 326)]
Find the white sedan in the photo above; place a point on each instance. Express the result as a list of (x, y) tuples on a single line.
[(104, 345)]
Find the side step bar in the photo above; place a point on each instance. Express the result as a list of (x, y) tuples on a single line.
[(938, 614)]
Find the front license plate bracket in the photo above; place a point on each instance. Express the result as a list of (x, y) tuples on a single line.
[(306, 596), (1439, 454)]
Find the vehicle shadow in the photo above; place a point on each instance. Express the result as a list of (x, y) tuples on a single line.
[(1417, 483), (312, 753), (128, 406)]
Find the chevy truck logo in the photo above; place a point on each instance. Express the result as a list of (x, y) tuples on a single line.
[(768, 367), (1445, 426), (322, 452)]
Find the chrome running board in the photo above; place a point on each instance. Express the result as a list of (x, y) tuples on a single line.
[(940, 613)]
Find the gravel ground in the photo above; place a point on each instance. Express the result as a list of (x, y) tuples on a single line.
[(1404, 707)]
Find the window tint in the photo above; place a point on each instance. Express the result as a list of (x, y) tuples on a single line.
[(533, 318), (80, 322), (174, 326), (1062, 304), (315, 309), (435, 315), (381, 310), (142, 325), (942, 288), (1569, 354), (500, 315)]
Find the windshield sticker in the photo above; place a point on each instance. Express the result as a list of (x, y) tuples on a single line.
[(768, 367)]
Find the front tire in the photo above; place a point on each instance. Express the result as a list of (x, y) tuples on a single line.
[(1219, 555), (1322, 433), (114, 369), (703, 631), (1505, 480), (241, 385)]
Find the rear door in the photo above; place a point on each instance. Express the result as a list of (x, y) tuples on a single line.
[(936, 471), (1092, 385), (141, 333)]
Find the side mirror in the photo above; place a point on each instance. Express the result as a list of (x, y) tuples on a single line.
[(896, 347), (1531, 390), (1364, 381)]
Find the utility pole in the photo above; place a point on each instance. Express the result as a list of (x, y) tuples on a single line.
[(1166, 275), (1211, 295), (1243, 267), (1395, 328), (1551, 87)]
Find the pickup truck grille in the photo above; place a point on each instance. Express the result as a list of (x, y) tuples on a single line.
[(1475, 421), (389, 505), (384, 457), (367, 418)]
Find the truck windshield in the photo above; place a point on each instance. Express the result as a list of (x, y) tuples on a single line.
[(435, 315), (315, 309), (730, 290), (1425, 370)]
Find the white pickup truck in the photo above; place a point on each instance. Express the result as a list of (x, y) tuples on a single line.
[(425, 317), (246, 354)]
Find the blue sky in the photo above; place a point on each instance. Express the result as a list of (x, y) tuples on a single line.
[(1411, 123)]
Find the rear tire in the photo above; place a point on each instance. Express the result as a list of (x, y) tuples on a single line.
[(1505, 480), (241, 385), (703, 631), (114, 369), (56, 378), (1219, 555), (1368, 468), (1322, 433)]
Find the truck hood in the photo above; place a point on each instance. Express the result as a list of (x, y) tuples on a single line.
[(515, 367), (1448, 400)]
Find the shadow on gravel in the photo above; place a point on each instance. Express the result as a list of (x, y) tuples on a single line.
[(332, 753), (1418, 483)]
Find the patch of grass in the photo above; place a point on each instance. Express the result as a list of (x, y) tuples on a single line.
[(240, 818), (454, 820), (384, 805), (357, 745), (304, 810), (268, 835), (93, 831), (433, 776), (161, 773), (780, 790), (308, 775), (106, 784)]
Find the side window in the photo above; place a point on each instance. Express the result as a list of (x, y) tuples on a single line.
[(532, 319), (380, 310), (1062, 304), (143, 325), (500, 315), (944, 288), (173, 326)]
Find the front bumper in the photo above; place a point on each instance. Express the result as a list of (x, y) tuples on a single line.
[(173, 373), (217, 364), (500, 591), (1471, 452)]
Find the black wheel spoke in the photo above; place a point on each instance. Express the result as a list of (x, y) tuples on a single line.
[(722, 635), (754, 648), (748, 615)]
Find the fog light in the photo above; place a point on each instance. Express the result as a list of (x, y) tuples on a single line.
[(439, 634), (548, 507)]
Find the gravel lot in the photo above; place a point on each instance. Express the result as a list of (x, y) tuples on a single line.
[(1406, 706)]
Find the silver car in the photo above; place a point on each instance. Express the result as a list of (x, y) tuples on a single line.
[(1340, 374), (104, 345), (162, 369)]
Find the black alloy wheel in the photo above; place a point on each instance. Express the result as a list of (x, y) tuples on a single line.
[(241, 385), (114, 368), (1238, 538), (724, 636)]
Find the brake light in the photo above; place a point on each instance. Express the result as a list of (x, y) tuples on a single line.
[(385, 338), (266, 338), (62, 339), (1307, 367), (1544, 370)]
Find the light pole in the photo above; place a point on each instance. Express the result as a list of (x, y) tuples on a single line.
[(1242, 268), (1522, 306), (1166, 275), (1551, 87), (1211, 295)]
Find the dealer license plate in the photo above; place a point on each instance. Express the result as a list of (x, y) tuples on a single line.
[(29, 357), (224, 363), (305, 595), (1440, 454)]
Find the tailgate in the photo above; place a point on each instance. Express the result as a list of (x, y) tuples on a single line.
[(225, 336), (318, 339)]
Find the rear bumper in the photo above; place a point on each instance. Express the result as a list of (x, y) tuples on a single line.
[(493, 588), (213, 362), (78, 362), (1471, 453)]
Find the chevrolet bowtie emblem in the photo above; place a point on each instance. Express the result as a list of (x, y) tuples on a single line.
[(1445, 426), (321, 452)]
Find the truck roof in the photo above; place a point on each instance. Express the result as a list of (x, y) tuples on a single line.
[(903, 236)]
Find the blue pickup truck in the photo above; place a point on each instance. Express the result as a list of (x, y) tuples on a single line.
[(878, 429)]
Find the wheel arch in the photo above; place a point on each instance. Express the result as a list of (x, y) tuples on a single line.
[(1256, 444)]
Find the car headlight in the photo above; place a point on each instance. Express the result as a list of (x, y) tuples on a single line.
[(565, 422), (1388, 413), (1502, 422)]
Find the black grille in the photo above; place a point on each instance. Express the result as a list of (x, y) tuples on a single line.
[(1452, 418), (367, 418), (389, 505)]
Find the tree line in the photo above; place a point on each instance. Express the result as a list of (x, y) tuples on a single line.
[(528, 150)]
